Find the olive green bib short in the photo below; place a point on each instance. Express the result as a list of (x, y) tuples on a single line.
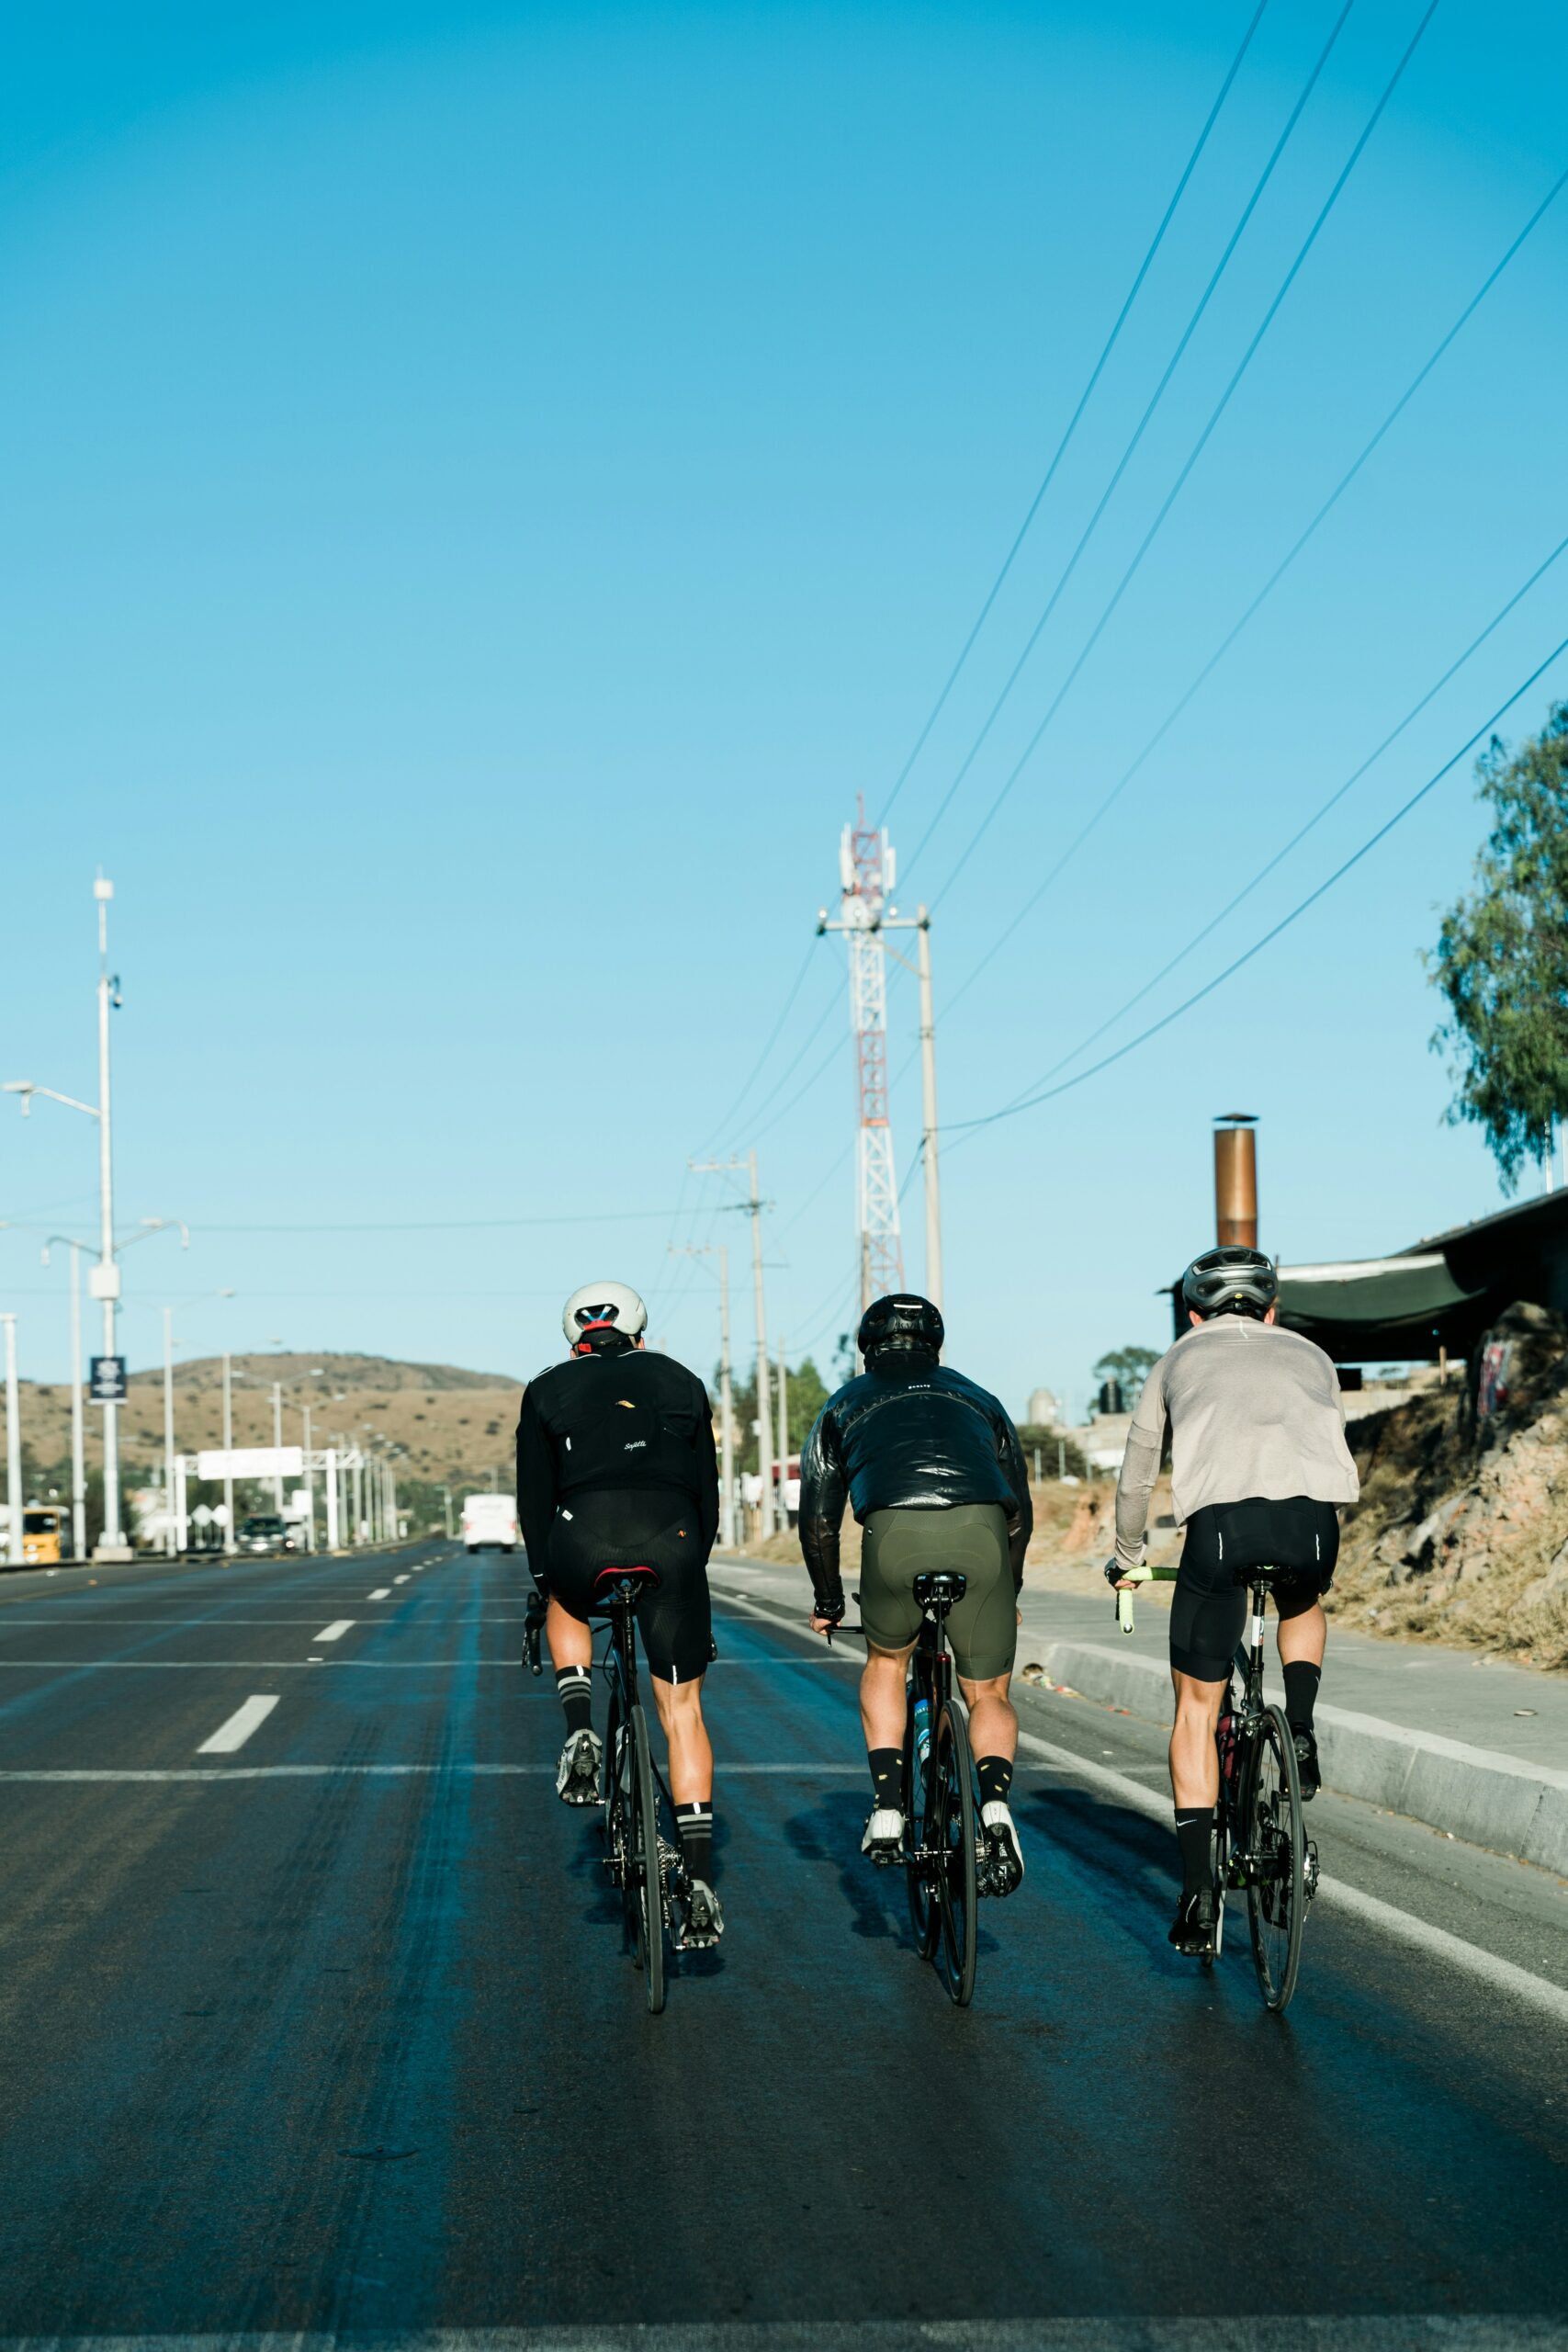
[(898, 1545)]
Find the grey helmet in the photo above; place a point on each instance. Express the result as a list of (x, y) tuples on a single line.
[(1231, 1280), (597, 1309)]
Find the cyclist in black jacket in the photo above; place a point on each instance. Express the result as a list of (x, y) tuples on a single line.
[(615, 1468), (933, 1469)]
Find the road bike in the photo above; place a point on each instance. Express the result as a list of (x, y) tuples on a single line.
[(942, 1864), (1261, 1846), (644, 1865)]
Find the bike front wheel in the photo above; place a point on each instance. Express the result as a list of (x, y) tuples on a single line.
[(953, 1841), (646, 1871), (1273, 1836)]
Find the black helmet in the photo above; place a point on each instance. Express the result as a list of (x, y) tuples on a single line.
[(901, 1321), (1231, 1280)]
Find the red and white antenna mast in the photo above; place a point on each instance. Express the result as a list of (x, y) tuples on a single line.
[(867, 868)]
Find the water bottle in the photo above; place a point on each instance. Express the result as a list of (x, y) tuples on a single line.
[(922, 1732)]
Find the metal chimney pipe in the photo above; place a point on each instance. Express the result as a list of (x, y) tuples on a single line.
[(1236, 1179)]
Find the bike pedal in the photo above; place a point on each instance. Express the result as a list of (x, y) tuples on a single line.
[(1310, 1870)]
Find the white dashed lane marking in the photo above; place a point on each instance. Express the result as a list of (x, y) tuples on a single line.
[(382, 1592), (238, 1729), (399, 1579), (336, 1630)]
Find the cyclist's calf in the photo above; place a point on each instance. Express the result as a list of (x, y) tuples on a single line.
[(680, 1706), (993, 1721), (1194, 1760)]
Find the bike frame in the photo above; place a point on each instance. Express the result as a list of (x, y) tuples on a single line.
[(618, 1666)]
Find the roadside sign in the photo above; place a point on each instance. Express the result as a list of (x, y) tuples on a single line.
[(253, 1461), (106, 1384)]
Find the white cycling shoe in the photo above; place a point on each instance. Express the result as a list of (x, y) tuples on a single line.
[(576, 1775), (884, 1839), (1004, 1855)]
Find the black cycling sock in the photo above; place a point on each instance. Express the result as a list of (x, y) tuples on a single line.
[(886, 1772), (1194, 1835), (1301, 1679), (694, 1823), (574, 1689), (995, 1776)]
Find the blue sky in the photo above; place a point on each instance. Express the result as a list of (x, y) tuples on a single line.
[(484, 490)]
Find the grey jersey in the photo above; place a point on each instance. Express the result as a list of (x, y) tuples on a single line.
[(1252, 1410)]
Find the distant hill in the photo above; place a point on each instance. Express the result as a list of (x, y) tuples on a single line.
[(457, 1427)]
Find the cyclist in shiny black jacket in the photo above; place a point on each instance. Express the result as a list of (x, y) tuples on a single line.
[(932, 1467)]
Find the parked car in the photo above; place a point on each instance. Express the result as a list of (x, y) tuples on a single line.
[(489, 1521), (265, 1530)]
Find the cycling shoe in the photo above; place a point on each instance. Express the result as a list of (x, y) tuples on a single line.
[(884, 1839), (705, 1920), (1306, 1763), (1004, 1856), (576, 1775), (1192, 1930)]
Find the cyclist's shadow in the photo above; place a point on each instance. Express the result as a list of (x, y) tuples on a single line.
[(830, 1832)]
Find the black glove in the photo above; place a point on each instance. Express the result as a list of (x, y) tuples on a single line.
[(834, 1609)]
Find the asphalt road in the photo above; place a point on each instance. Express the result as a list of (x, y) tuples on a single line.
[(328, 2031)]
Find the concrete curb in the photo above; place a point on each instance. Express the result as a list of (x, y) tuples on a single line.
[(1485, 1798)]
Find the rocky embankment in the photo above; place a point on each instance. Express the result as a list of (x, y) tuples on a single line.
[(1461, 1534)]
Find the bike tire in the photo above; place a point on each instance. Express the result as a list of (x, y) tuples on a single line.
[(954, 1841), (648, 1870), (1274, 1832), (925, 1909), (618, 1823)]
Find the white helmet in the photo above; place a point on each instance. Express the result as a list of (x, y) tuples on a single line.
[(598, 1308)]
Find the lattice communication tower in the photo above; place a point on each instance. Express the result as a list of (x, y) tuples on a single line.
[(867, 871)]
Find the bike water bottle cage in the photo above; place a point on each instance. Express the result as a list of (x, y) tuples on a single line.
[(940, 1588)]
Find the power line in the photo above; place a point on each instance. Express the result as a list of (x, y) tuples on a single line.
[(1318, 814), (802, 1091), (451, 1224), (1266, 591), (1047, 1093), (721, 1126), (1140, 428), (1194, 454), (1077, 416)]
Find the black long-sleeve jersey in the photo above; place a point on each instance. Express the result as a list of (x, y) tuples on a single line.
[(908, 1434), (624, 1419)]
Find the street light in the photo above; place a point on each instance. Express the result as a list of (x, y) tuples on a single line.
[(104, 1281), (148, 1227)]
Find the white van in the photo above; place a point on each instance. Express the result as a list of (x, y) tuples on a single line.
[(490, 1521)]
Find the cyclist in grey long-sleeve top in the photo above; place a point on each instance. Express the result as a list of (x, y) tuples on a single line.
[(1259, 1465)]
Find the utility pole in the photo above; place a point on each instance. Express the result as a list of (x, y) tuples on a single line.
[(170, 1532), (13, 1448), (928, 1111), (228, 1448), (726, 1400), (784, 1438), (78, 1434), (310, 1487), (277, 1444), (866, 869), (104, 1281), (754, 1205)]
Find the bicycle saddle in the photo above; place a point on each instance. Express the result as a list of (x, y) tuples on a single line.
[(940, 1588), (605, 1583)]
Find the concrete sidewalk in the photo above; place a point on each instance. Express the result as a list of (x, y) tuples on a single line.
[(1472, 1746)]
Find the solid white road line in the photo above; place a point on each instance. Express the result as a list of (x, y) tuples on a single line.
[(336, 1630), (238, 1729), (382, 1592), (381, 1771), (1333, 1893), (1487, 1967)]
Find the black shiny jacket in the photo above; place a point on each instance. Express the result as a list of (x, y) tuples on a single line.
[(908, 1434)]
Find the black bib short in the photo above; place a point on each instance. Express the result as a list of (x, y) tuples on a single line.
[(1208, 1610), (653, 1527)]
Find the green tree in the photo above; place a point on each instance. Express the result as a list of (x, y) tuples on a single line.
[(1502, 957), (807, 1394), (1131, 1366)]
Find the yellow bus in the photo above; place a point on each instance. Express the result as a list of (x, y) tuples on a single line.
[(41, 1526)]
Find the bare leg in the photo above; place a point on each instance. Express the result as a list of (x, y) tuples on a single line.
[(1194, 1760), (993, 1723), (882, 1701), (1303, 1637), (680, 1706), (571, 1641)]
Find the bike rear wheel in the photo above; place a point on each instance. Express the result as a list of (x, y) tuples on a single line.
[(646, 1873), (953, 1840), (618, 1825), (925, 1909), (1274, 1842)]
